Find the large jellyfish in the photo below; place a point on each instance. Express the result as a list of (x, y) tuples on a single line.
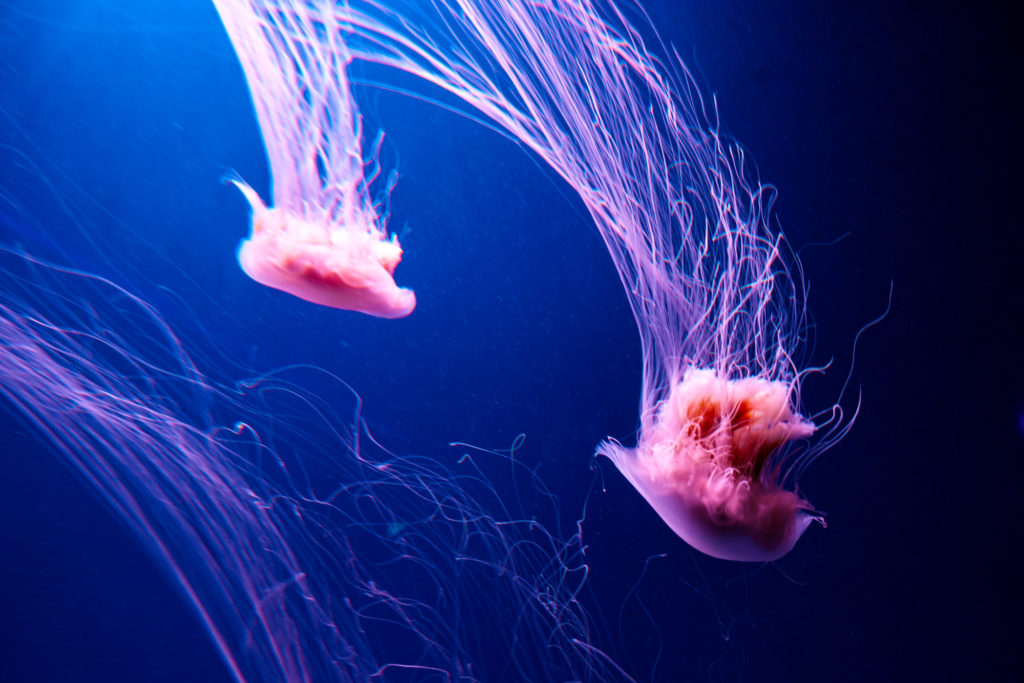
[(720, 311), (323, 239), (309, 551)]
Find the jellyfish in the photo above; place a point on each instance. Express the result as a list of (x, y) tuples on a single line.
[(309, 551), (714, 288), (323, 239)]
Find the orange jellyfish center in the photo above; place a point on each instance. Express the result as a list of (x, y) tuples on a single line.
[(737, 436)]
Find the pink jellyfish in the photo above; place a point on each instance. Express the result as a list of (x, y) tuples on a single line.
[(323, 239), (688, 227)]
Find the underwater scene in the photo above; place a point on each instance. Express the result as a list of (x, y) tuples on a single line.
[(495, 340)]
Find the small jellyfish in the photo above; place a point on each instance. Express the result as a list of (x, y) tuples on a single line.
[(323, 240), (336, 267), (722, 442)]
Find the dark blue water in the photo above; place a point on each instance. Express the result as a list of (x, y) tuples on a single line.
[(890, 126)]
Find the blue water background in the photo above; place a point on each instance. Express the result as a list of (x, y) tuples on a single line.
[(890, 126)]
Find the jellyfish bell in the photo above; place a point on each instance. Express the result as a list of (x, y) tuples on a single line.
[(346, 267), (704, 463)]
